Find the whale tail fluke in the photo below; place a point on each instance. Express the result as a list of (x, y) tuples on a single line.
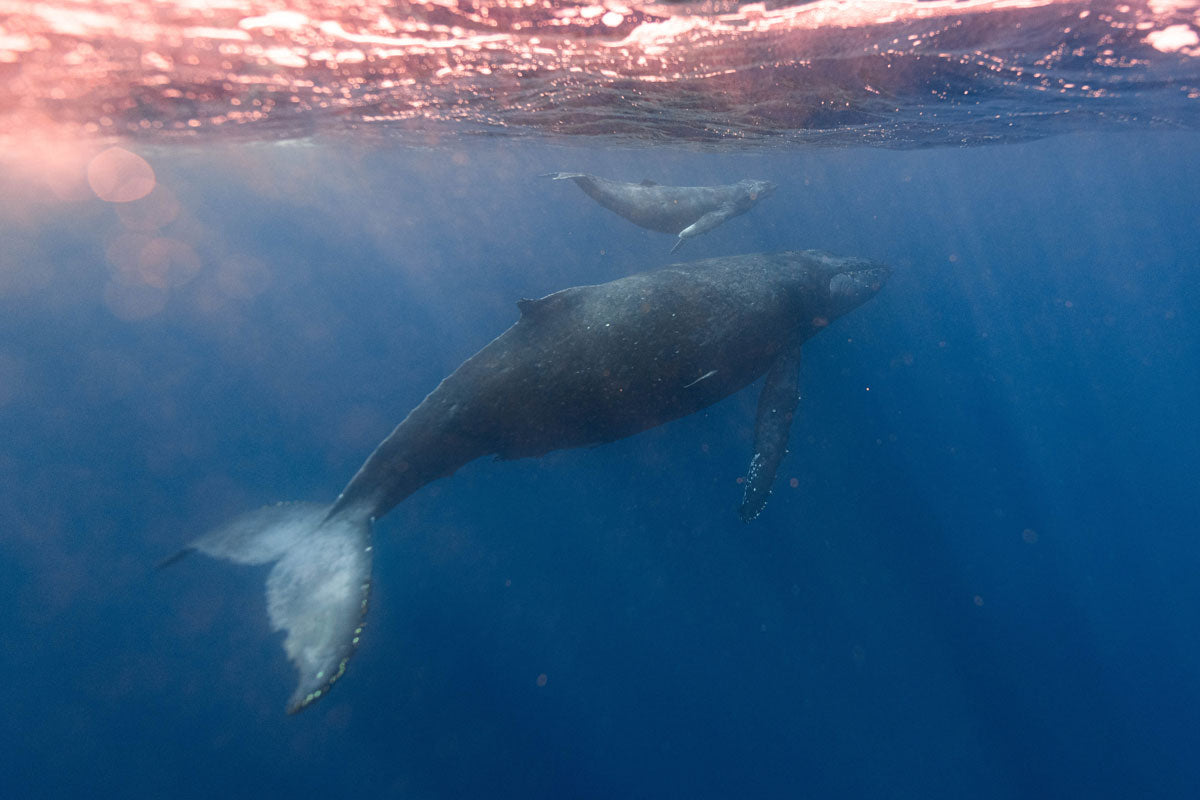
[(316, 592), (563, 176)]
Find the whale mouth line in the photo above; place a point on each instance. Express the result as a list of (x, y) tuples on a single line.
[(856, 285)]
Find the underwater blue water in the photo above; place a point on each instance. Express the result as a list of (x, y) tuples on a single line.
[(981, 584)]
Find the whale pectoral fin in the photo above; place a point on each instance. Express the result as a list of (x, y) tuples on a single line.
[(776, 407), (316, 592), (707, 222)]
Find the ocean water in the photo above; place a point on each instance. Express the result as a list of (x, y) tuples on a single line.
[(977, 576)]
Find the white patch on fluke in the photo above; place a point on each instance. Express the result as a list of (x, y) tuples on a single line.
[(756, 465), (316, 593)]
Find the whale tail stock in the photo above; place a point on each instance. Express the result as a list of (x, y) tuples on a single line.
[(317, 589)]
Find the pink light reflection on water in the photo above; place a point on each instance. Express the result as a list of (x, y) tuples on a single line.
[(172, 68)]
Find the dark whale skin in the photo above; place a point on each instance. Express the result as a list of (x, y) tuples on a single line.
[(586, 365), (592, 364)]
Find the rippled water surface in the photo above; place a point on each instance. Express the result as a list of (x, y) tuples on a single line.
[(887, 72)]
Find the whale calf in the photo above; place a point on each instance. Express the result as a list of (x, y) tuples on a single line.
[(583, 366), (685, 211)]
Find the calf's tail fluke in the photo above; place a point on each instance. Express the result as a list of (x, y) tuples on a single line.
[(316, 592)]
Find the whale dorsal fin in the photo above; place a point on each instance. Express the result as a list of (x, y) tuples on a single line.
[(648, 182), (551, 304), (527, 307), (776, 405)]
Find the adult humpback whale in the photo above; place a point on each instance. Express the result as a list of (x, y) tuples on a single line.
[(582, 366), (686, 211)]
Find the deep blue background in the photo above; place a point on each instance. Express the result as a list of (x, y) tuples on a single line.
[(984, 583)]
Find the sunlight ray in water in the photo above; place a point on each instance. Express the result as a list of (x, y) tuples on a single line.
[(241, 239)]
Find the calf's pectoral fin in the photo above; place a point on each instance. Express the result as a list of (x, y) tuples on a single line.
[(707, 222), (776, 406)]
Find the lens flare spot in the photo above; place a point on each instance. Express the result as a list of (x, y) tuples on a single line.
[(147, 214), (166, 263), (243, 277), (133, 302), (122, 254), (119, 176)]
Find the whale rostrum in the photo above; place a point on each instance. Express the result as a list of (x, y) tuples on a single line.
[(583, 366)]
